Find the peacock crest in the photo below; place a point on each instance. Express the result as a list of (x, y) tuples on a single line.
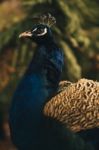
[(45, 19)]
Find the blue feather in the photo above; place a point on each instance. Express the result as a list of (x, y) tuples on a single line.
[(39, 83)]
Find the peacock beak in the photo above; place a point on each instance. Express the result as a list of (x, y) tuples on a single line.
[(25, 34)]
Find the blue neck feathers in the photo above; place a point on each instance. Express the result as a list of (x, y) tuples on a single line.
[(48, 61), (39, 83)]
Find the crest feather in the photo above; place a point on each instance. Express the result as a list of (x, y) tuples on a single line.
[(46, 19)]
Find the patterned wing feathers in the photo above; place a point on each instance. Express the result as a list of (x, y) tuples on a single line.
[(77, 106)]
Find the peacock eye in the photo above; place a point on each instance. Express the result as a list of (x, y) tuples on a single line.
[(40, 30)]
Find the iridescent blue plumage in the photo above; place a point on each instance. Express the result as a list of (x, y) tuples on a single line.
[(38, 85)]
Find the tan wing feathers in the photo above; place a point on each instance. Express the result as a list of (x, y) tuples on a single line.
[(77, 106)]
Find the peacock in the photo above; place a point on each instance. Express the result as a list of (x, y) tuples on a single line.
[(42, 107)]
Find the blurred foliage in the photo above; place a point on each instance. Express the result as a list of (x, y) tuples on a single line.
[(76, 31)]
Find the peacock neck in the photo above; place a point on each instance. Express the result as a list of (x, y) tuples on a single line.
[(47, 61), (36, 87)]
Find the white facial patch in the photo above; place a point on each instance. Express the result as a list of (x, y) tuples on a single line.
[(34, 30), (43, 33)]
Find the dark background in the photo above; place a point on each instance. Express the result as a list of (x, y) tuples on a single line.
[(76, 32)]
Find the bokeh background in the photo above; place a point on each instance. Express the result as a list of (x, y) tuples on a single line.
[(76, 32)]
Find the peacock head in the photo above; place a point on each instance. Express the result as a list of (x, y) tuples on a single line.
[(41, 31)]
